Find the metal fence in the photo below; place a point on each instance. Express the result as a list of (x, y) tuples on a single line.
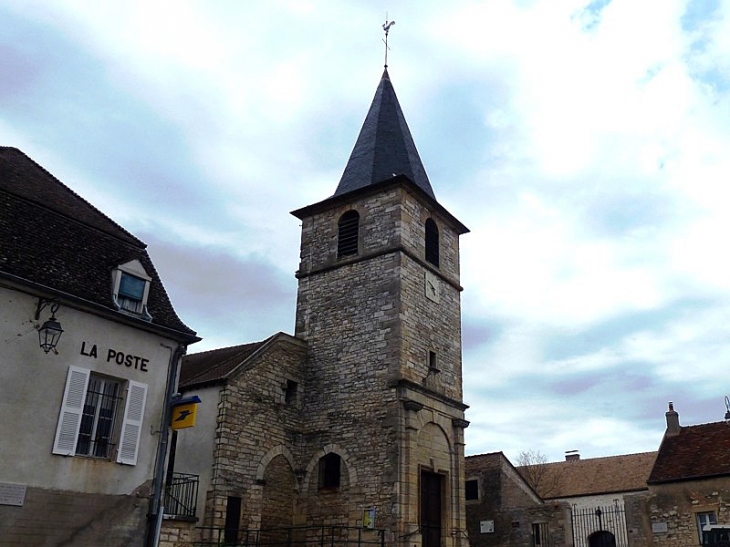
[(299, 536), (181, 495), (603, 526)]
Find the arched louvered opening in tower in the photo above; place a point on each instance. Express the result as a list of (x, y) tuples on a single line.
[(348, 229), (432, 242)]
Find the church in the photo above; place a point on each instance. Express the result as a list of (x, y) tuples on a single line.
[(351, 431)]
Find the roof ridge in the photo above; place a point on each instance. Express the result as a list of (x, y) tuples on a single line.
[(600, 458), (209, 351)]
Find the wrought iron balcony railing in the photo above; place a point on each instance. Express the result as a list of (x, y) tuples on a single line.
[(181, 495)]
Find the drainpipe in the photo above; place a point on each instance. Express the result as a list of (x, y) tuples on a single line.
[(154, 515)]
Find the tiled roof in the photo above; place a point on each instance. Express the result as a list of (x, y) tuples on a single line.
[(214, 365), (698, 451), (613, 474), (51, 237), (385, 147)]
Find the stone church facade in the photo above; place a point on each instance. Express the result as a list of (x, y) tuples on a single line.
[(355, 423)]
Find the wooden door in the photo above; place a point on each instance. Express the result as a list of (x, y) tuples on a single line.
[(431, 503)]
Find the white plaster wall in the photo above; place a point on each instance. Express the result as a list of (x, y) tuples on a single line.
[(582, 502), (31, 390), (195, 445)]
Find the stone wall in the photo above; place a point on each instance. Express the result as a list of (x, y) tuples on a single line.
[(675, 506), (257, 426), (512, 508), (370, 330), (178, 534)]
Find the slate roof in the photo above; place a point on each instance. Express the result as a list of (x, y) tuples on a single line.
[(55, 241), (385, 147), (697, 452), (209, 367), (592, 476)]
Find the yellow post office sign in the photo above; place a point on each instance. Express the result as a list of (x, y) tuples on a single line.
[(184, 412)]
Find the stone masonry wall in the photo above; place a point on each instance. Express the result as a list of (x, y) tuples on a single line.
[(369, 326), (512, 509), (178, 534), (256, 426), (675, 506), (353, 337)]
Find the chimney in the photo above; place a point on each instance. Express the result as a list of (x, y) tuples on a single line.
[(572, 455), (673, 426)]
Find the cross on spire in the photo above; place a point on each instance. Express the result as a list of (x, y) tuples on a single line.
[(386, 28)]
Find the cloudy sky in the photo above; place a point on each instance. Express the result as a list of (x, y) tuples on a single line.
[(586, 144)]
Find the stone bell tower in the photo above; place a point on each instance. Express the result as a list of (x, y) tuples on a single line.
[(379, 307)]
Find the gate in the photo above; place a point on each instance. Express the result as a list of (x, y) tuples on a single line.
[(603, 526)]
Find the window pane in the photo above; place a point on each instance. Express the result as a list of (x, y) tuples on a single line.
[(704, 519), (97, 421), (472, 489), (131, 286), (432, 242)]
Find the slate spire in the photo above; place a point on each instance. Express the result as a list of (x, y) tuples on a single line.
[(385, 147)]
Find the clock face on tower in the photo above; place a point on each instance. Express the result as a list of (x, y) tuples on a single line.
[(433, 287)]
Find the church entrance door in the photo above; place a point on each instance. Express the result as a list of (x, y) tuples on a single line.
[(431, 492)]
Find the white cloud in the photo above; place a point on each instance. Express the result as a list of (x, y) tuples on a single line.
[(597, 192)]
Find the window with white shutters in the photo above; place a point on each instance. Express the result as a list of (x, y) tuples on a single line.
[(88, 421)]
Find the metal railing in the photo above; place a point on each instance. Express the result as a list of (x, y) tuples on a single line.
[(296, 536), (181, 495), (603, 526)]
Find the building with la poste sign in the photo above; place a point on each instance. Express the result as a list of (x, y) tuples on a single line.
[(89, 350)]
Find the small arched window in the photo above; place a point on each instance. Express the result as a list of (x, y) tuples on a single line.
[(329, 471), (347, 234), (432, 242)]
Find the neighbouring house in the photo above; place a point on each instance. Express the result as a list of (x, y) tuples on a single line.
[(689, 486), (664, 498), (591, 502), (601, 493), (352, 429), (83, 412), (502, 509)]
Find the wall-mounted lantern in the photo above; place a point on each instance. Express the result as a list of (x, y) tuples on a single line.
[(50, 332)]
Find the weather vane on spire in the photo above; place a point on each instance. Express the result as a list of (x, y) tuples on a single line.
[(386, 28)]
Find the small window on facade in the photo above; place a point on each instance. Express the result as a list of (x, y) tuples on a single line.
[(432, 362), (432, 242), (704, 519), (98, 417), (329, 471), (471, 489), (290, 391), (348, 229), (131, 293), (130, 288), (540, 535), (89, 416)]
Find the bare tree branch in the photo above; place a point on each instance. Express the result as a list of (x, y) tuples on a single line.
[(543, 478)]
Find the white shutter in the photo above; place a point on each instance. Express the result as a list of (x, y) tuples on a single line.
[(72, 407), (132, 425)]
